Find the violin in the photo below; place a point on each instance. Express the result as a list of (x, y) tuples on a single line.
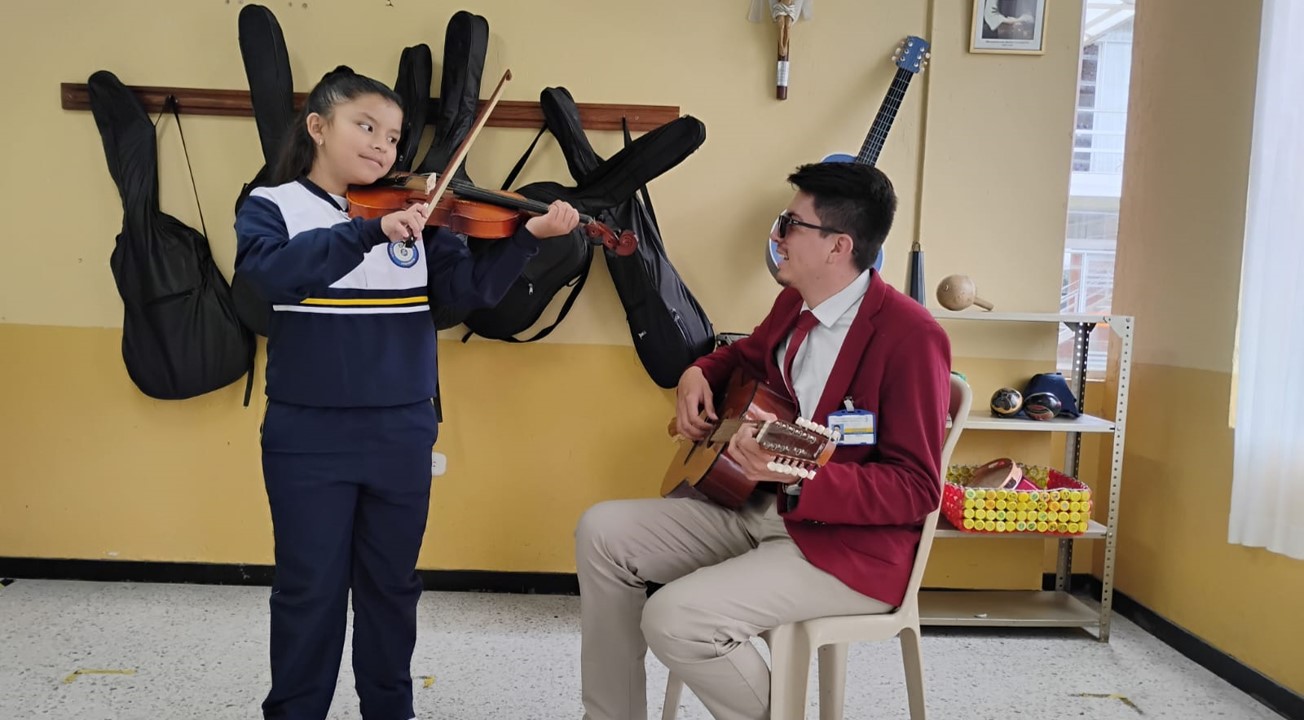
[(461, 206), (470, 210)]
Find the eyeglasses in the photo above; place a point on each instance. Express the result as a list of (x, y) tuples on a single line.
[(785, 220)]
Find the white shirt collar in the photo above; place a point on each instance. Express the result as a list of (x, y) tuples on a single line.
[(830, 310)]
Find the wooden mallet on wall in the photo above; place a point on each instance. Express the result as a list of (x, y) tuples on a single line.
[(786, 13)]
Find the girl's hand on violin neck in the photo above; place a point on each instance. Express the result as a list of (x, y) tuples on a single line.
[(560, 219), (404, 224)]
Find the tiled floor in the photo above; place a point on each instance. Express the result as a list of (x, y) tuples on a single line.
[(101, 651)]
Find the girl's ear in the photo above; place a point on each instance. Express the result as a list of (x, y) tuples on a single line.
[(316, 124)]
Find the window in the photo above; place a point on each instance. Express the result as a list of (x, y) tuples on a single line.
[(1100, 126)]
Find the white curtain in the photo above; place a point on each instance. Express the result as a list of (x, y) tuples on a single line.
[(1267, 507)]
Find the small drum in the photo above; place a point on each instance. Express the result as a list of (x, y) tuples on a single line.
[(1006, 402), (1042, 406)]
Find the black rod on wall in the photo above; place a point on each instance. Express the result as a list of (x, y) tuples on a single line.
[(508, 113)]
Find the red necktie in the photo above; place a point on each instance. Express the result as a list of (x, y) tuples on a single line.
[(805, 321)]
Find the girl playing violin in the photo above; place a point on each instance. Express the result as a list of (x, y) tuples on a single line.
[(351, 375)]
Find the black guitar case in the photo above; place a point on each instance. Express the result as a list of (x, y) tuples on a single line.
[(180, 334), (666, 323), (271, 91), (669, 328)]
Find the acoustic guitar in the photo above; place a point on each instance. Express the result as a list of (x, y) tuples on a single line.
[(704, 470)]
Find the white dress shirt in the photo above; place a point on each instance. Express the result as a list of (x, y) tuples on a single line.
[(815, 357)]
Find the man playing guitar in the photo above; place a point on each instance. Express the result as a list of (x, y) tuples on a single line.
[(837, 543)]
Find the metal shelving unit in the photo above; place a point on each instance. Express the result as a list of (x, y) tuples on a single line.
[(1049, 608)]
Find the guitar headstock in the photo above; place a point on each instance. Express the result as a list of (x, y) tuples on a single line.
[(801, 446), (912, 54)]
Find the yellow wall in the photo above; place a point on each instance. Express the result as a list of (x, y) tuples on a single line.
[(1180, 242), (93, 469)]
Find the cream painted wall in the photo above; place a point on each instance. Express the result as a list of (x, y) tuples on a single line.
[(96, 470), (1178, 271), (1188, 158)]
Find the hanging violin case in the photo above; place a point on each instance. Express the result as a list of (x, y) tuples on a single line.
[(413, 86), (466, 40), (271, 92)]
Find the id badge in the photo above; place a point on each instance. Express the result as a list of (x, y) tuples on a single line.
[(855, 427)]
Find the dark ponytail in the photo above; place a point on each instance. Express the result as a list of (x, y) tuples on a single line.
[(337, 86)]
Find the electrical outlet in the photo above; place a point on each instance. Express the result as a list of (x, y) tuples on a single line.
[(438, 464)]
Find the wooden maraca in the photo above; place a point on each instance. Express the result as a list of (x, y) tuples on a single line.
[(956, 292)]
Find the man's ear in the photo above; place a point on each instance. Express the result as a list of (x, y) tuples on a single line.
[(842, 245)]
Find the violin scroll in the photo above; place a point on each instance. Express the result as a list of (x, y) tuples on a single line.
[(623, 244)]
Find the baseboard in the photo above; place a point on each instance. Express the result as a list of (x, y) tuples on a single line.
[(1265, 690), (1244, 678), (240, 574), (1078, 582), (231, 574)]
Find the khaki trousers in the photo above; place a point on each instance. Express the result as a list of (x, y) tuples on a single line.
[(728, 576)]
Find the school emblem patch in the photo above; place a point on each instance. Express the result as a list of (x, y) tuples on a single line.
[(402, 255)]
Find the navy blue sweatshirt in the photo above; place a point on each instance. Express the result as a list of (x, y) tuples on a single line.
[(351, 324)]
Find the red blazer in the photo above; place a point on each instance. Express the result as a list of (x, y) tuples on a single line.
[(861, 516)]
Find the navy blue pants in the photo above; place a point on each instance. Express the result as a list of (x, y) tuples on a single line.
[(345, 521)]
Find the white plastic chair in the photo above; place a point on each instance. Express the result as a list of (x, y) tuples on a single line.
[(791, 645)]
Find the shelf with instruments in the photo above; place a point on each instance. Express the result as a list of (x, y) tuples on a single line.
[(1057, 607), (507, 113)]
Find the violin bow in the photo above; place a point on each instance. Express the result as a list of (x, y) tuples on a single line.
[(437, 185)]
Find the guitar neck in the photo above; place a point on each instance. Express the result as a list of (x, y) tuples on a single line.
[(727, 428), (877, 136)]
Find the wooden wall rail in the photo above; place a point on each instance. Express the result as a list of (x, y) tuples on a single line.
[(508, 113)]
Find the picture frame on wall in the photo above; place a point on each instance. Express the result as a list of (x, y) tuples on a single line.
[(1013, 27)]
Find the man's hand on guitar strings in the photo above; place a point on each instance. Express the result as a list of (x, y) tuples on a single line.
[(692, 396), (753, 459)]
